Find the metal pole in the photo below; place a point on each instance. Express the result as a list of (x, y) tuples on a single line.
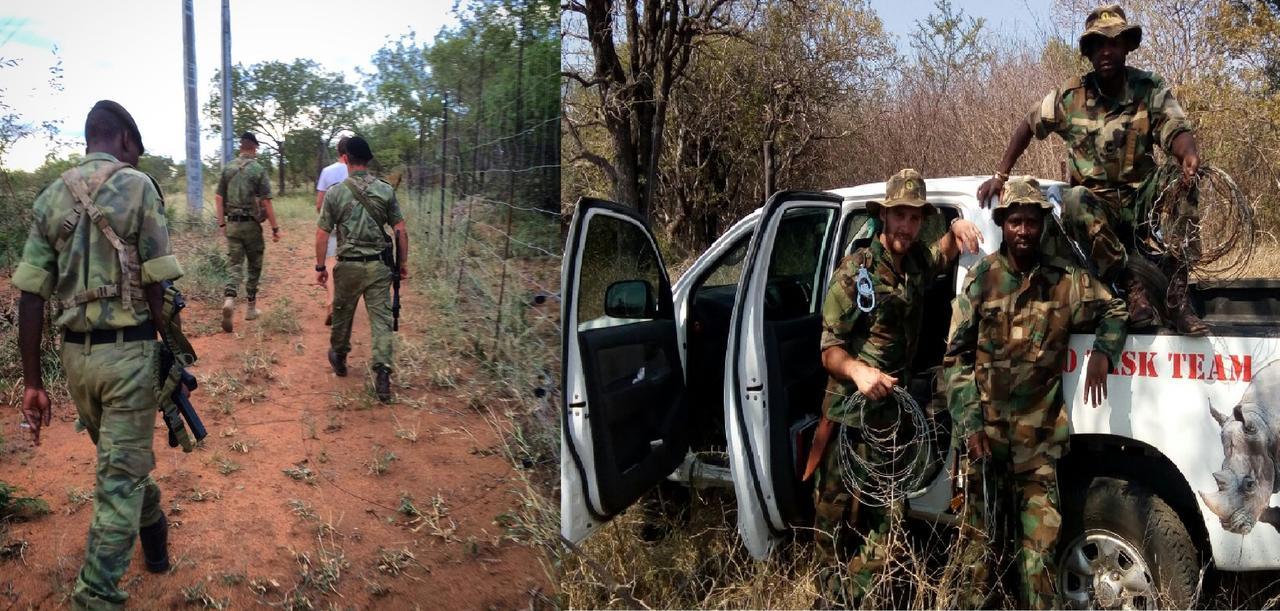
[(195, 181), (228, 127)]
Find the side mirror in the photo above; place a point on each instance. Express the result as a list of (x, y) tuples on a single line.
[(630, 299)]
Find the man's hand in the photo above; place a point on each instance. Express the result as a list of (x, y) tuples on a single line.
[(966, 235), (276, 232), (222, 231), (872, 382), (404, 272), (979, 446), (1190, 165), (990, 187), (322, 277), (36, 411), (1095, 379)]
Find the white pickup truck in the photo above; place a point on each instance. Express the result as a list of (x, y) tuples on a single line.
[(717, 379)]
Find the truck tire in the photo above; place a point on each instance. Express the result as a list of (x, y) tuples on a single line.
[(1121, 546)]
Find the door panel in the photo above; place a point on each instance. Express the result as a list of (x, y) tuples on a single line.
[(775, 377), (624, 409)]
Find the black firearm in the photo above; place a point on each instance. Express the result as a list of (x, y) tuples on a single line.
[(180, 409), (175, 382), (395, 283)]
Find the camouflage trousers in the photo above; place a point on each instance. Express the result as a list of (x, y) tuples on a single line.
[(1003, 509), (848, 575), (114, 389), (244, 242), (351, 281), (1108, 224)]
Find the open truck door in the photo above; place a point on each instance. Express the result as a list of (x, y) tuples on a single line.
[(774, 382), (623, 415)]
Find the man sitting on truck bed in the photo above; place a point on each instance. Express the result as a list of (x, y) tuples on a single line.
[(866, 346), (1111, 120), (1011, 326)]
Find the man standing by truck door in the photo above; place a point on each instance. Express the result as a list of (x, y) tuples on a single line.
[(1112, 119), (867, 349), (1003, 372)]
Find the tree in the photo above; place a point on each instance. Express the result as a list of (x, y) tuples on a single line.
[(274, 100), (658, 38), (404, 86)]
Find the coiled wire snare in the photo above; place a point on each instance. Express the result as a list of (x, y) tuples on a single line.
[(897, 456), (1220, 242)]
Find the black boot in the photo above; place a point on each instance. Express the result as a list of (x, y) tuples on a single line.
[(339, 363), (155, 545), (382, 384)]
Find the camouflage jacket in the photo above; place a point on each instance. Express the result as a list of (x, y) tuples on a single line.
[(1112, 142), (360, 234), (134, 209), (248, 183), (1008, 347), (885, 337)]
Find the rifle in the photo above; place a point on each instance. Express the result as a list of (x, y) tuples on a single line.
[(395, 283), (175, 382)]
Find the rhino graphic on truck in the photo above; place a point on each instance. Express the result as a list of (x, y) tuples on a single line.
[(1251, 448)]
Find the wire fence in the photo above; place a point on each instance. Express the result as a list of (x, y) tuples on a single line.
[(488, 208)]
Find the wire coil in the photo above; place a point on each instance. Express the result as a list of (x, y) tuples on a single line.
[(897, 457), (1218, 241)]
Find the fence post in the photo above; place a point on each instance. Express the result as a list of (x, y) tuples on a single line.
[(511, 180)]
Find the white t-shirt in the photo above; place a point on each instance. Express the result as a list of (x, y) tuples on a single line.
[(332, 174)]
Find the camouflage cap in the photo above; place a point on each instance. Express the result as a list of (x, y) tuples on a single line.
[(1019, 191), (1109, 21), (906, 188)]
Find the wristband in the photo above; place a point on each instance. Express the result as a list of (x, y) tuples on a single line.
[(320, 268), (275, 230), (1003, 176), (222, 224)]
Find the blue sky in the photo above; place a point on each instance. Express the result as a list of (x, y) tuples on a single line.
[(131, 52), (1019, 19)]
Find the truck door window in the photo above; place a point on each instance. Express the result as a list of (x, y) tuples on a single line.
[(619, 264), (726, 270), (795, 265)]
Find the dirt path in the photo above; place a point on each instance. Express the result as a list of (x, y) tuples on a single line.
[(392, 506)]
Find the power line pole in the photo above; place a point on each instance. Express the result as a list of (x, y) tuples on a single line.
[(228, 128), (195, 181)]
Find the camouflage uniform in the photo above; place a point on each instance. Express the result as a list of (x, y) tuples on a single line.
[(884, 338), (114, 385), (1112, 158), (244, 183), (1003, 375), (359, 271)]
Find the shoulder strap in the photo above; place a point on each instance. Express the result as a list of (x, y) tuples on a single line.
[(363, 198), (236, 166), (84, 193)]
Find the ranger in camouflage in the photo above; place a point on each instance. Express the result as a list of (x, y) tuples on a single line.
[(358, 208), (1112, 120), (98, 250), (244, 201), (868, 352), (1003, 382)]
